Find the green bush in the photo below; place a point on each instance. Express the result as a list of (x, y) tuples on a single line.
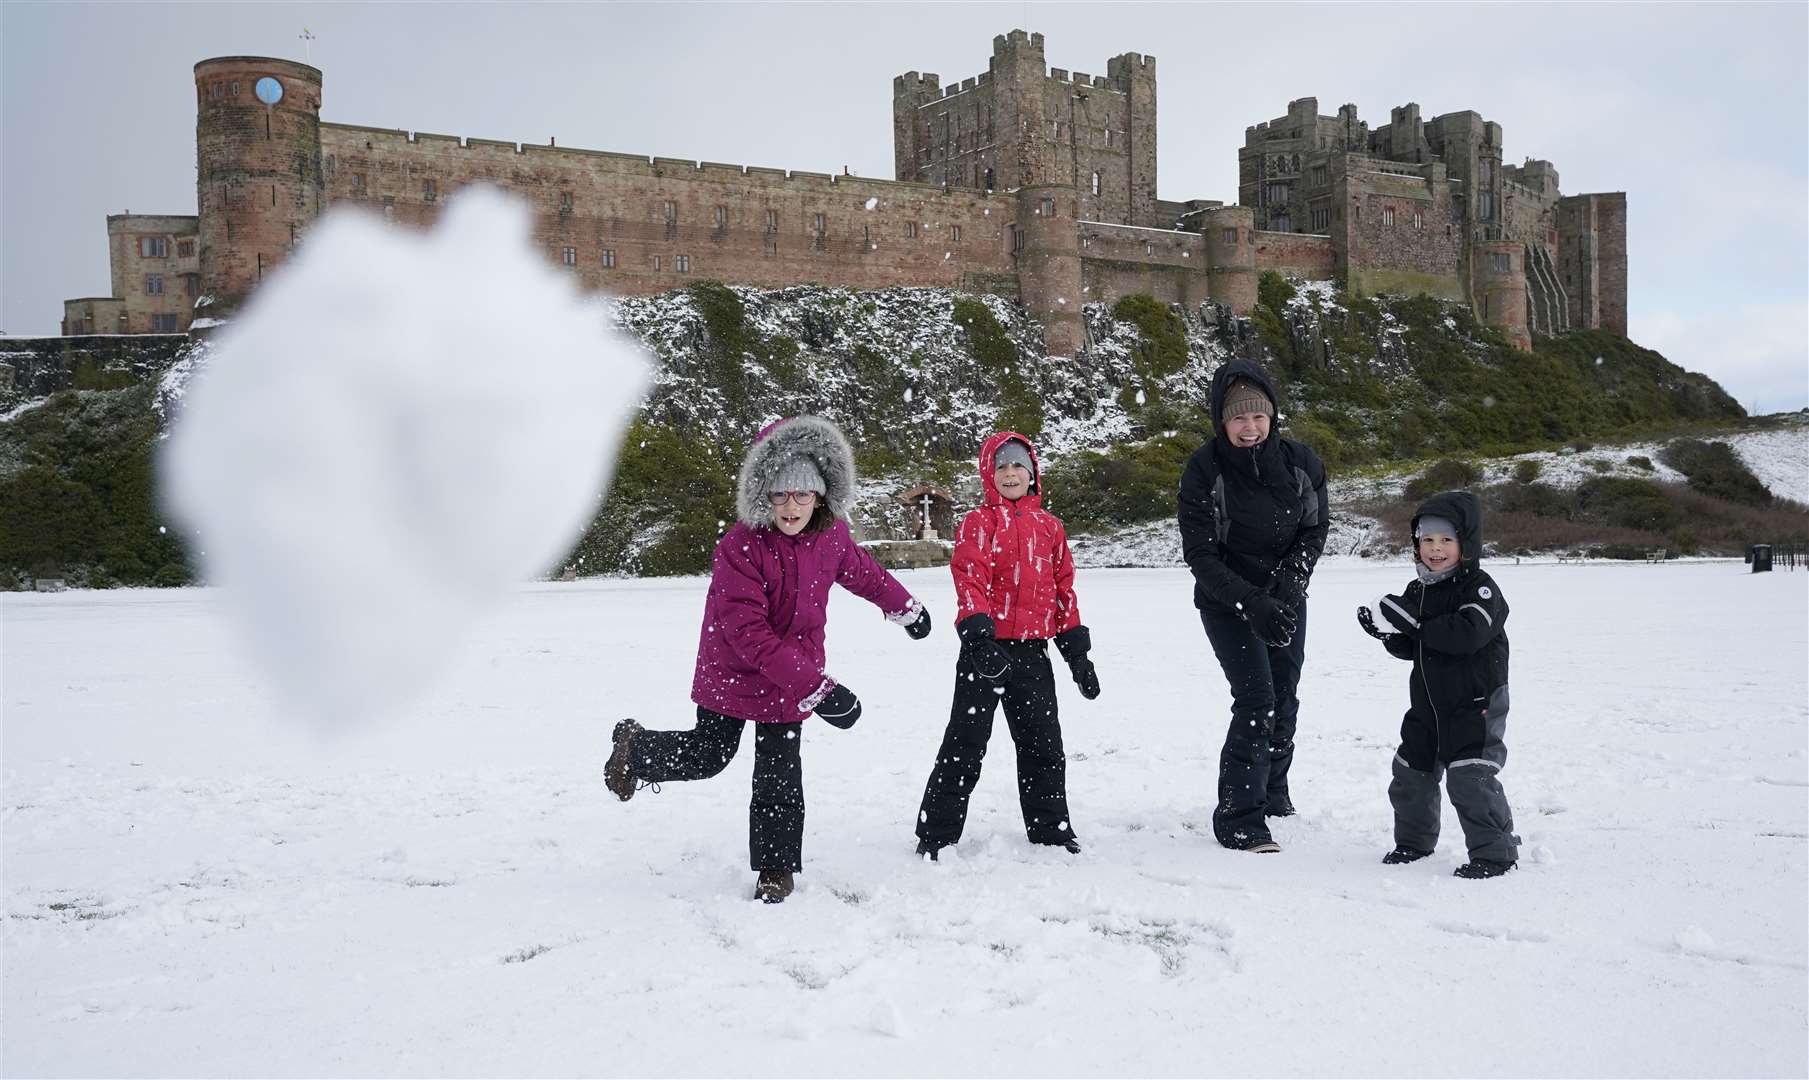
[(1127, 484), (1626, 503), (1163, 349), (1527, 471), (1640, 461), (1020, 409), (1713, 468), (1447, 475), (85, 498), (673, 493)]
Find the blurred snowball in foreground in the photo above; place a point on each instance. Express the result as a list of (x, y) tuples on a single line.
[(398, 427)]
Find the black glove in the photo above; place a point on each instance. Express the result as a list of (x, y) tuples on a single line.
[(1272, 622), (1394, 609), (919, 628), (984, 654), (1074, 645), (1288, 588), (1367, 620), (840, 707)]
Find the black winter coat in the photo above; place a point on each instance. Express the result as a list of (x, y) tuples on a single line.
[(1251, 518), (1457, 640)]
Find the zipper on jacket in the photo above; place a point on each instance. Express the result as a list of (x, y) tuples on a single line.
[(1438, 739)]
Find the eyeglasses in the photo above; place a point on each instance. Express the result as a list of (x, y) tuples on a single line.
[(802, 498)]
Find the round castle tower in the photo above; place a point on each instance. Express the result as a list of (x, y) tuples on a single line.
[(258, 182), (1231, 256), (1498, 288), (1049, 279)]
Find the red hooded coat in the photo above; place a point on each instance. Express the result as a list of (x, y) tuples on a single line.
[(1011, 559)]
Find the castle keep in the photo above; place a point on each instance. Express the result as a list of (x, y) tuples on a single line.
[(1030, 181)]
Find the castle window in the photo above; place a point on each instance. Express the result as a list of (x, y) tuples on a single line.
[(1086, 241), (565, 202), (1229, 236), (1017, 239), (191, 284), (1500, 262), (772, 221), (819, 224), (609, 258), (910, 230), (684, 264), (1048, 207), (358, 183), (954, 234), (1388, 215), (153, 284), (185, 249), (153, 247), (430, 190), (1280, 223), (1485, 206), (1277, 195), (1111, 138), (722, 217), (1419, 218), (867, 237), (1485, 306), (1322, 218), (1319, 176), (163, 324), (670, 210), (217, 90), (233, 90), (989, 180), (771, 247), (1096, 186), (1149, 249), (658, 264), (571, 256)]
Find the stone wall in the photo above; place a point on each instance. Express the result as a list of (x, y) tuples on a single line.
[(1395, 228), (39, 367), (1297, 255), (155, 270), (636, 226)]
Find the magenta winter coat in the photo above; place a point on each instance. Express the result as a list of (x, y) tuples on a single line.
[(760, 653)]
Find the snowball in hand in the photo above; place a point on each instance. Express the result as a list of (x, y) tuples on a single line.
[(398, 427)]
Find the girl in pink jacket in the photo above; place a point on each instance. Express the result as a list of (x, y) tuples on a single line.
[(760, 652)]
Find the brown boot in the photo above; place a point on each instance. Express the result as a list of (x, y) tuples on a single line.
[(773, 887), (617, 776)]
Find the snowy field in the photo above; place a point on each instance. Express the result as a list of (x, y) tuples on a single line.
[(194, 886)]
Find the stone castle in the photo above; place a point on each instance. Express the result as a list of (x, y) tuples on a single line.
[(1027, 181)]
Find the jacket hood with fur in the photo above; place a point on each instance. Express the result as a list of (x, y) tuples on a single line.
[(811, 437)]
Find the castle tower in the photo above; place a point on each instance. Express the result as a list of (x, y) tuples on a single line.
[(1135, 74), (1025, 151), (258, 182), (1498, 288), (1048, 263), (1231, 256), (1592, 259), (910, 135)]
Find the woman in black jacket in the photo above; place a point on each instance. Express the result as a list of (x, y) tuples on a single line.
[(1253, 524)]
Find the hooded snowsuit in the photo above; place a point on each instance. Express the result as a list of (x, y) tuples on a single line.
[(1253, 520), (1454, 629), (760, 652), (1014, 582)]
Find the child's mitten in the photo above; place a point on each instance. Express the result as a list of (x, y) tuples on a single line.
[(1074, 645), (840, 707)]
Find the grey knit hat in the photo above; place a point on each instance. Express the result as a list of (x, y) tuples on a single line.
[(798, 474), (1432, 523), (1014, 453), (1245, 396)]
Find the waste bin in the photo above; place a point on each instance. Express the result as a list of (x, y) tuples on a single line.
[(1761, 558)]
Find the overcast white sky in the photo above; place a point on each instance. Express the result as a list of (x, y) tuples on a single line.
[(1697, 112)]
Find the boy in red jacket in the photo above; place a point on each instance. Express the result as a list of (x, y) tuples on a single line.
[(1014, 582)]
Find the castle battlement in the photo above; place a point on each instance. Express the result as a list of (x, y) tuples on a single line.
[(1021, 177)]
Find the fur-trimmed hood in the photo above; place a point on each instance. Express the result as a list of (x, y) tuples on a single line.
[(807, 436)]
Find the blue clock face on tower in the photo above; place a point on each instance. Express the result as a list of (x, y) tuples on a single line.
[(269, 91)]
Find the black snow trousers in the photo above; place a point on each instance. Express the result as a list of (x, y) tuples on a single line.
[(1028, 695), (1259, 747), (776, 812)]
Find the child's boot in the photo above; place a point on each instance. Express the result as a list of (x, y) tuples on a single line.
[(1404, 854), (1483, 868), (617, 776), (773, 887), (928, 851)]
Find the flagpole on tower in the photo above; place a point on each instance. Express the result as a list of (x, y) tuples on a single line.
[(307, 37)]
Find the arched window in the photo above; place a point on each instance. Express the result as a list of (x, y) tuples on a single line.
[(1095, 183)]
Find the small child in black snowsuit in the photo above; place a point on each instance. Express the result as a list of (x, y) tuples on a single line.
[(1451, 621)]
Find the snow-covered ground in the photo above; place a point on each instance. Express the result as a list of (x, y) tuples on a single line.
[(194, 886)]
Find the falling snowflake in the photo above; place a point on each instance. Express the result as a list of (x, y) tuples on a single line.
[(873, 202)]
